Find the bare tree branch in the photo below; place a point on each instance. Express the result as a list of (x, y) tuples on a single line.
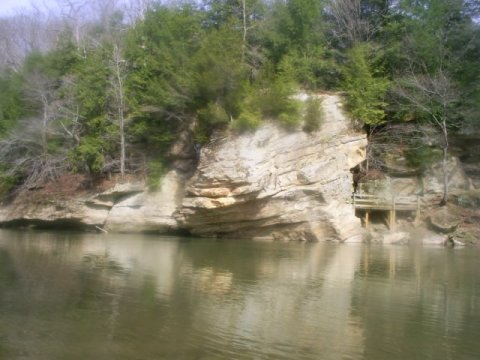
[(350, 24), (434, 95)]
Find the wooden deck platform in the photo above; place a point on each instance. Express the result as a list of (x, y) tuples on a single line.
[(391, 205)]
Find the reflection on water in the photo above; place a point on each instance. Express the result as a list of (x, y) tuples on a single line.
[(86, 296)]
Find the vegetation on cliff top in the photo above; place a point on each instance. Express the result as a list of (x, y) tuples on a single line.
[(108, 89)]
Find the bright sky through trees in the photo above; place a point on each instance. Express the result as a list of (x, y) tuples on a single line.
[(7, 7)]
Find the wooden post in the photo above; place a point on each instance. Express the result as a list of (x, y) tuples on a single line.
[(394, 220), (417, 213), (367, 213), (387, 218)]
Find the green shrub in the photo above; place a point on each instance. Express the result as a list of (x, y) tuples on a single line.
[(7, 183), (276, 100), (247, 121), (54, 145), (155, 172), (422, 156), (210, 118), (88, 154), (365, 86), (313, 116), (213, 114), (289, 120), (311, 67)]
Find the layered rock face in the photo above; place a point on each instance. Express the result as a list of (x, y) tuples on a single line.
[(127, 207), (148, 211), (71, 213), (278, 184)]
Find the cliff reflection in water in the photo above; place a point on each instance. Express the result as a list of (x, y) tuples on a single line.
[(80, 296)]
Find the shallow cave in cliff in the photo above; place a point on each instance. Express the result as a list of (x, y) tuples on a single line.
[(59, 224)]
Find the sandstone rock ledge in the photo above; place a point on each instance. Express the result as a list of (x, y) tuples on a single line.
[(127, 207), (278, 184)]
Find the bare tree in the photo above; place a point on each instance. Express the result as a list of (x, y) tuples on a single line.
[(24, 154), (118, 88), (67, 113), (104, 10), (74, 14), (39, 93), (27, 150), (349, 22), (433, 95), (135, 9), (23, 33), (11, 55), (394, 139), (37, 27)]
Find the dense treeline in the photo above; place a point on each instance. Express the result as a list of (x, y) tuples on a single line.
[(111, 91)]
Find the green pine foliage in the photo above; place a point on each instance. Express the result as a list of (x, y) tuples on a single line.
[(273, 96), (12, 106), (91, 94), (155, 172), (365, 86), (160, 84), (88, 155), (91, 82), (213, 116), (7, 182), (219, 73), (313, 116), (421, 156), (247, 121)]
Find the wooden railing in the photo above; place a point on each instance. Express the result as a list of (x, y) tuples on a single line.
[(391, 205), (375, 202)]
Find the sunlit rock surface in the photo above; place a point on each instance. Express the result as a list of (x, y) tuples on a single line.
[(278, 184), (148, 211), (126, 207), (71, 213)]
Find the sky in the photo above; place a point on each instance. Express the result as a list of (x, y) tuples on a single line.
[(7, 7)]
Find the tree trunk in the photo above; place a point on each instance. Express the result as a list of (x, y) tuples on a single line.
[(445, 178), (445, 164), (121, 107), (44, 124), (122, 145), (244, 23)]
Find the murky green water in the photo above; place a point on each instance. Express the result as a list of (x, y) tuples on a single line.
[(84, 296)]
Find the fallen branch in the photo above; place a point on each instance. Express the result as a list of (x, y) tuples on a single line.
[(101, 229)]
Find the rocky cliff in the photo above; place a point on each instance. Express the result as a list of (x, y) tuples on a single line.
[(278, 184), (270, 184)]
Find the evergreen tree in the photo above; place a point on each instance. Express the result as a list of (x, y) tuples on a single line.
[(365, 85)]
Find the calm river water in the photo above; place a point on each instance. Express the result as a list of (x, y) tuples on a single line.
[(87, 296)]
